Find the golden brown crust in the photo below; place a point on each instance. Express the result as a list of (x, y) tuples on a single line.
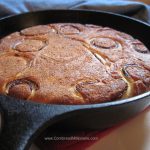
[(70, 63)]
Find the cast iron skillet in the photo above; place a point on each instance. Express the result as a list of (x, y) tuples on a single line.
[(23, 121)]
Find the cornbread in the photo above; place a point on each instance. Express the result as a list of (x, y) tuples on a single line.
[(69, 63)]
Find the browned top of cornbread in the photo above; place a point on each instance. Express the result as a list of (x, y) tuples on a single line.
[(73, 64)]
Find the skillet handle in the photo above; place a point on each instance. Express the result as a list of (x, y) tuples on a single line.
[(24, 121)]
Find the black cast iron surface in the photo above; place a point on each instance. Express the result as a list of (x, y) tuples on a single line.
[(23, 121)]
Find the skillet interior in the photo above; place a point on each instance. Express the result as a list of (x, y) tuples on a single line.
[(31, 119)]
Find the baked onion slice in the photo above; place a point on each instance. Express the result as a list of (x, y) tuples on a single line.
[(21, 88)]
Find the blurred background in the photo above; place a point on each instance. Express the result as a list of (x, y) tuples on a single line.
[(135, 8)]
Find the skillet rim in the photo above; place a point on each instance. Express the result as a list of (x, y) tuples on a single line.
[(104, 104), (78, 10)]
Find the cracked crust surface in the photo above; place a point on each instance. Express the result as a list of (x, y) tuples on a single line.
[(68, 63)]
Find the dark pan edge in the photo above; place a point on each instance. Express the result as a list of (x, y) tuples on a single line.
[(77, 10)]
